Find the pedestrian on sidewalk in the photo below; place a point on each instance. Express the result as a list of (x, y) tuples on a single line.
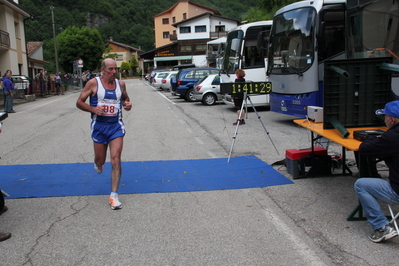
[(41, 78), (8, 88), (57, 81), (108, 96)]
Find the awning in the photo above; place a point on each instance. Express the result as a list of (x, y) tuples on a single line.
[(173, 58)]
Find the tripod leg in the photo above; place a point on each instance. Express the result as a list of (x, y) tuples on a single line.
[(263, 125), (235, 133)]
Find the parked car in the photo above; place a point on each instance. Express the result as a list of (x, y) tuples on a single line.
[(186, 78), (152, 74), (166, 82), (23, 85), (207, 90), (178, 67), (157, 80)]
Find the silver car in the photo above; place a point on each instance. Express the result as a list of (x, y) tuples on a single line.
[(166, 85), (157, 81), (207, 89)]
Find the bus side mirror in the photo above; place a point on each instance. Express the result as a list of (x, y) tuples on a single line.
[(320, 32)]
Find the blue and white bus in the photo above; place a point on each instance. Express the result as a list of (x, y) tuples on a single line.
[(307, 33), (242, 51)]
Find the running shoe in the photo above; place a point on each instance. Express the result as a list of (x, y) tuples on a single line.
[(383, 234), (115, 203), (99, 170)]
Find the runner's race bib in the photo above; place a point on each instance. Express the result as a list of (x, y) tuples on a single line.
[(110, 107)]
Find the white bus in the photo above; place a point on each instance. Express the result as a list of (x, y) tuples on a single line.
[(306, 35), (242, 51)]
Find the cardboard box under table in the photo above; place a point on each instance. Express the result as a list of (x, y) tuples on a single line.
[(292, 157)]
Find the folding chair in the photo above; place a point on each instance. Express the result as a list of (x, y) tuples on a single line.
[(394, 217)]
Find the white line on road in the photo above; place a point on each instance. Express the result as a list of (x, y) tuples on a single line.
[(160, 94)]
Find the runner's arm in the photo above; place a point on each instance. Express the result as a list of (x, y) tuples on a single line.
[(86, 92), (127, 105)]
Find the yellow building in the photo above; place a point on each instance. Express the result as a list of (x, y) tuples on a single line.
[(124, 52), (180, 11)]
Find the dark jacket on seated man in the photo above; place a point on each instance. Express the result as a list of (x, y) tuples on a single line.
[(385, 147)]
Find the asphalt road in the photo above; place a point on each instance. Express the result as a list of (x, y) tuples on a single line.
[(299, 224)]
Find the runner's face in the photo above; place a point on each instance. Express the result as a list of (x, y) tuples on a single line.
[(110, 71)]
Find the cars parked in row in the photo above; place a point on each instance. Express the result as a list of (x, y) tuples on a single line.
[(166, 81), (183, 83), (157, 80), (152, 74), (207, 90)]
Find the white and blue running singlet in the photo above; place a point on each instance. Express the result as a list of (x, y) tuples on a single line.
[(109, 125)]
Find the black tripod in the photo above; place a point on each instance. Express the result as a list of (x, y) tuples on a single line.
[(244, 103)]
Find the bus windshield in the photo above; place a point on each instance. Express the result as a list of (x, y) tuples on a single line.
[(291, 41), (232, 51)]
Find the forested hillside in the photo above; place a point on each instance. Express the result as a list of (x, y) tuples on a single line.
[(129, 21)]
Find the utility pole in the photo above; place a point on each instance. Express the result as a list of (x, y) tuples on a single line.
[(55, 41)]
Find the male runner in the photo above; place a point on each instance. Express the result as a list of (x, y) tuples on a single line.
[(107, 96)]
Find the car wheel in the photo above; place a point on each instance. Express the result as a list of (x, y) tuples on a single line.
[(209, 99), (190, 95)]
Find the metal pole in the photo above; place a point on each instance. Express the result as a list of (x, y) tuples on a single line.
[(55, 42)]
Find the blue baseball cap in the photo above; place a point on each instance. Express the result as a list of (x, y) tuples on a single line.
[(391, 109)]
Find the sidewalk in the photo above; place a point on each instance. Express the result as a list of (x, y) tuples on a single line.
[(32, 97)]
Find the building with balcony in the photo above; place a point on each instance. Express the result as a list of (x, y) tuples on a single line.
[(124, 52), (188, 43), (183, 9), (13, 52)]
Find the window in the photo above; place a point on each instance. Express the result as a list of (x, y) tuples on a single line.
[(173, 19), (219, 28), (200, 28), (17, 32), (199, 74), (120, 57), (200, 47), (185, 48), (190, 75), (185, 30), (165, 34), (184, 15), (165, 21)]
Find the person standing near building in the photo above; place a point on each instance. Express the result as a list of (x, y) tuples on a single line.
[(40, 77), (57, 80), (8, 88), (107, 97), (371, 190)]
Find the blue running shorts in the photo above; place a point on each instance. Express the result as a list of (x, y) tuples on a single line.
[(104, 133)]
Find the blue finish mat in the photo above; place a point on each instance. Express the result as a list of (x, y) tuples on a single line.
[(80, 179)]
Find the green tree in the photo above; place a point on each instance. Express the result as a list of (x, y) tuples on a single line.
[(74, 43), (134, 64), (125, 67)]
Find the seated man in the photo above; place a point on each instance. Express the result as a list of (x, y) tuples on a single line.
[(370, 190)]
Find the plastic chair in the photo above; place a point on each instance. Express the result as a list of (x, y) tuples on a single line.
[(394, 217)]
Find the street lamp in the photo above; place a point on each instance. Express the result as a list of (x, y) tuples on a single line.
[(55, 42)]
